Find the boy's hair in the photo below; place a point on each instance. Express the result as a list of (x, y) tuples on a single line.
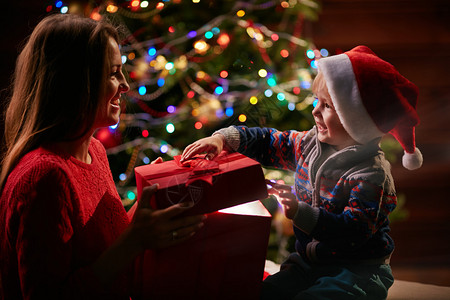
[(59, 77)]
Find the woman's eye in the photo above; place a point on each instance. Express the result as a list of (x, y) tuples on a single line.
[(327, 105)]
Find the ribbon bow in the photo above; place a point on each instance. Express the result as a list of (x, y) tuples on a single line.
[(201, 168)]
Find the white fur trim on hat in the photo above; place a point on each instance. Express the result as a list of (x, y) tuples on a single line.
[(412, 161), (343, 89)]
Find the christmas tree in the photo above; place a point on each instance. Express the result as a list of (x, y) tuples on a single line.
[(199, 65)]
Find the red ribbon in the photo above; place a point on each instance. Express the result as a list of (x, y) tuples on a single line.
[(199, 167)]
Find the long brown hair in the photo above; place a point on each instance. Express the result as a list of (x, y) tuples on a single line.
[(57, 83)]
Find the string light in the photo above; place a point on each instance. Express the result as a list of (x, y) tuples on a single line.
[(253, 100), (242, 118), (262, 73), (268, 93), (131, 195), (229, 111), (240, 13), (164, 148), (198, 125), (142, 90), (171, 109), (112, 8), (170, 128)]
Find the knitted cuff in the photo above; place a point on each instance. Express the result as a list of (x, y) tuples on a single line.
[(306, 217), (232, 137)]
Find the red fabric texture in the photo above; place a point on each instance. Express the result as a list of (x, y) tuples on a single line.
[(57, 215)]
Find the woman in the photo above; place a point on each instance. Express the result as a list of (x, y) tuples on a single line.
[(63, 230)]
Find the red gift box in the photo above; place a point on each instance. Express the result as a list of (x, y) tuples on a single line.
[(223, 260), (228, 180)]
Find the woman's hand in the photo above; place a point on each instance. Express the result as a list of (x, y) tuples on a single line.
[(154, 229), (212, 145), (286, 198)]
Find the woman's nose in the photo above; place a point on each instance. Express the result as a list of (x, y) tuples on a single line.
[(124, 87)]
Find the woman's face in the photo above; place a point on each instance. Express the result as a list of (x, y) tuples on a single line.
[(109, 111)]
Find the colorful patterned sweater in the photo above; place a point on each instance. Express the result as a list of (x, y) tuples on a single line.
[(344, 196), (57, 215)]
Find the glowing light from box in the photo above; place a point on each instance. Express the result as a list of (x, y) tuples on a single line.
[(229, 111), (146, 160), (240, 13), (296, 90), (58, 4), (253, 100), (268, 93), (144, 4), (253, 208), (281, 96), (223, 74), (145, 133), (123, 177), (310, 54)]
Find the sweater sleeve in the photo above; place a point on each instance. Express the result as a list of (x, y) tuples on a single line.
[(44, 241), (270, 147)]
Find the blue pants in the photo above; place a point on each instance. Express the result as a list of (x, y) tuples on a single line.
[(299, 280)]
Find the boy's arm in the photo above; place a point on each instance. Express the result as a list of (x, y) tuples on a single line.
[(268, 146)]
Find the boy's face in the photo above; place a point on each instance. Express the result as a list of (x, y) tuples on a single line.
[(329, 127)]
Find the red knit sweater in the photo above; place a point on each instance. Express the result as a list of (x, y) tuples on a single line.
[(57, 215)]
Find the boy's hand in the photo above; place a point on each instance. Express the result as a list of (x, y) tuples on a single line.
[(285, 196), (212, 145), (290, 204)]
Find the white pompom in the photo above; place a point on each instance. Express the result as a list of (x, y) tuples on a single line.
[(412, 161)]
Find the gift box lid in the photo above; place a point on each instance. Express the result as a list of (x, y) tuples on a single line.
[(230, 179)]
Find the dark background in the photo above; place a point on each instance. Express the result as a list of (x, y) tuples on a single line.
[(414, 35)]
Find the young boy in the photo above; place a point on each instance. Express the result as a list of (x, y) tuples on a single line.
[(344, 189)]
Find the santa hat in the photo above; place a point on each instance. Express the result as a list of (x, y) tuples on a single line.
[(371, 99)]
